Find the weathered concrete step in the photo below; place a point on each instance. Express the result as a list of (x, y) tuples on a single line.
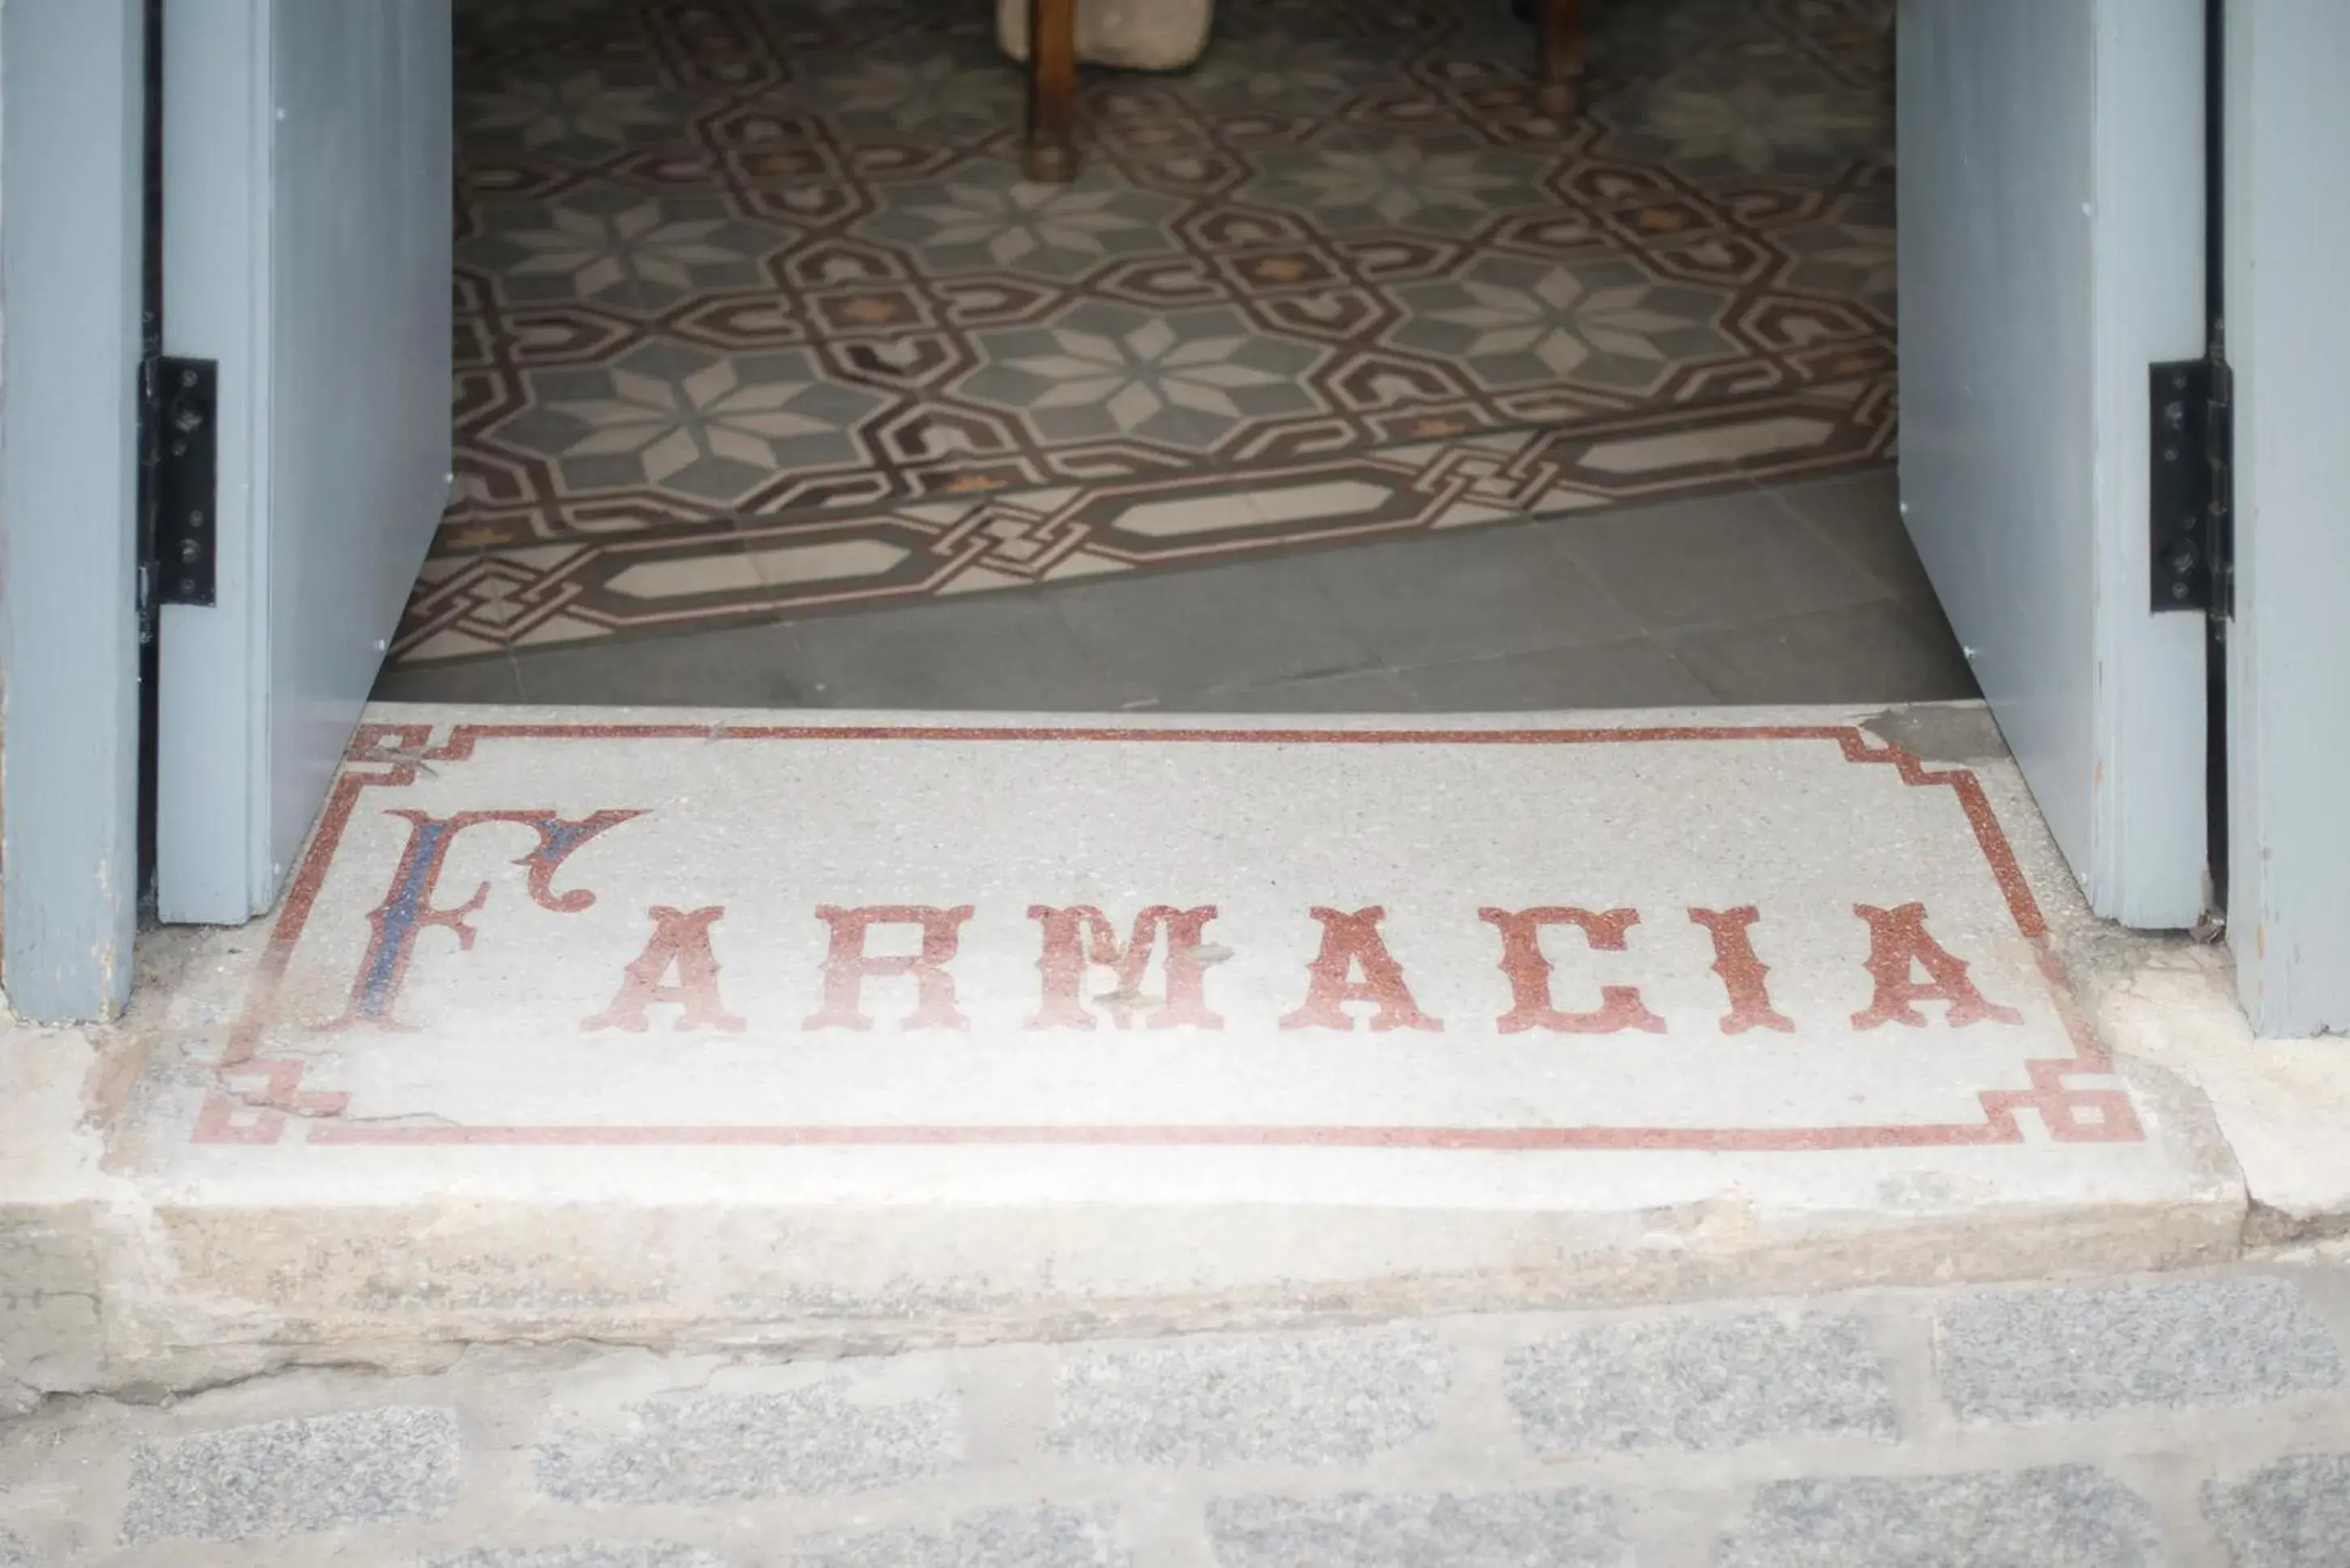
[(2203, 1419), (839, 1029)]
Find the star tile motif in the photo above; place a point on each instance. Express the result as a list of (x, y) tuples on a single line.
[(618, 248), (986, 217), (1400, 182), (1515, 322), (713, 427), (1186, 380)]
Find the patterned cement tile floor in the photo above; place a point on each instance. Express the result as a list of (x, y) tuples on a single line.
[(754, 314), (1781, 594)]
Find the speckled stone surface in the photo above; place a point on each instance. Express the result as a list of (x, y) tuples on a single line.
[(1701, 1383), (2054, 1352), (326, 1473), (2295, 1513), (1032, 1538), (584, 1554), (2063, 1517), (1310, 1401), (828, 1438), (1556, 1529)]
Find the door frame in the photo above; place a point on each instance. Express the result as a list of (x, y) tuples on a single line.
[(212, 755), (304, 145), (72, 159), (2285, 225), (2031, 306)]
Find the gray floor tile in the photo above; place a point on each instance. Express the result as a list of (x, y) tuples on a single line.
[(1357, 691), (1737, 557), (496, 680), (1511, 618), (1450, 597), (1881, 651), (1634, 673), (1002, 651), (1247, 625), (739, 666), (1860, 515)]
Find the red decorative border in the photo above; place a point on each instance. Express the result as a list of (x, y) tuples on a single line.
[(257, 1115)]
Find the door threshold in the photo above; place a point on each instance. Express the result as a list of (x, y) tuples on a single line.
[(825, 1028)]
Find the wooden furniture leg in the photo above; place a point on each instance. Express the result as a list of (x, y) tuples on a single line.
[(1051, 89), (1560, 26)]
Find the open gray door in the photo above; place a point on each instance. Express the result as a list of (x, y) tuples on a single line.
[(307, 198), (2052, 231)]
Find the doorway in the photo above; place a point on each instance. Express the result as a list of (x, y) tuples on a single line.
[(1339, 378)]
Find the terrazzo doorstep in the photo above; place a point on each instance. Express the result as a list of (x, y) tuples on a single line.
[(464, 1090), (1094, 832)]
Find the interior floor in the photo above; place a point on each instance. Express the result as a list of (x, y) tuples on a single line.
[(1777, 594), (778, 383)]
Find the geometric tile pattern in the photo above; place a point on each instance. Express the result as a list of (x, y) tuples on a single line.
[(754, 314)]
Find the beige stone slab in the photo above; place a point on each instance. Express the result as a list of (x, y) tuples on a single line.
[(2282, 1104)]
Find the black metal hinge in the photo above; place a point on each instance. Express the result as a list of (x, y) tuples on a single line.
[(183, 397), (2190, 520)]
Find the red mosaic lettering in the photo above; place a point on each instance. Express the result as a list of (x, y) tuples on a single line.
[(847, 965), (408, 911), (681, 941), (1620, 1006), (1348, 940), (1082, 932), (1897, 941), (1742, 973)]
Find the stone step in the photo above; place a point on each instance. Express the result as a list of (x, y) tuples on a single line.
[(820, 1029), (2193, 1418)]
